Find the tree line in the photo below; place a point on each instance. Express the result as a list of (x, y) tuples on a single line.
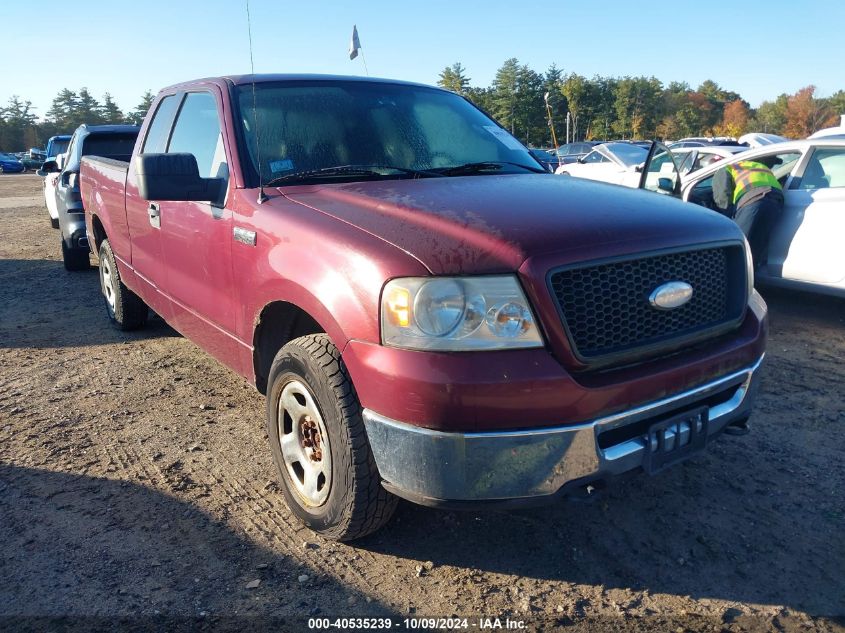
[(634, 107), (21, 129), (599, 108)]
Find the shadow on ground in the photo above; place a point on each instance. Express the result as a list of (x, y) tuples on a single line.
[(157, 557), (57, 308)]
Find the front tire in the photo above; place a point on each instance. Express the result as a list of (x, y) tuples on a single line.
[(329, 477), (75, 258), (126, 310)]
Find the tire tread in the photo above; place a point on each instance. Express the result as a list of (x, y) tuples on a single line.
[(370, 506), (130, 311)]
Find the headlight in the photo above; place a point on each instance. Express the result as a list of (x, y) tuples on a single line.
[(457, 314)]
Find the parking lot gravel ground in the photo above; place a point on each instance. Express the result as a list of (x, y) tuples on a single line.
[(136, 482)]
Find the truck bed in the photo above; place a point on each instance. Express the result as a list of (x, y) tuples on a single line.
[(103, 190)]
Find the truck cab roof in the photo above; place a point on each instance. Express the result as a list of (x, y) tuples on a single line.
[(240, 80)]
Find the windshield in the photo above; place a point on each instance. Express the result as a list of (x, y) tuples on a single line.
[(7, 157), (313, 125), (628, 153), (58, 146)]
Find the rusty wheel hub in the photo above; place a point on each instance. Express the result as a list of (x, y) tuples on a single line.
[(310, 434)]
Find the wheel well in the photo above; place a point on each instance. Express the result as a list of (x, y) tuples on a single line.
[(99, 234), (278, 323)]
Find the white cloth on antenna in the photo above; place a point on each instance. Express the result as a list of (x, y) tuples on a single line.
[(355, 44)]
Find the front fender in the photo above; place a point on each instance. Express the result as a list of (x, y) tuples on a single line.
[(329, 269)]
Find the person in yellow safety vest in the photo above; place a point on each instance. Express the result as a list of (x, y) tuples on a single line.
[(750, 193)]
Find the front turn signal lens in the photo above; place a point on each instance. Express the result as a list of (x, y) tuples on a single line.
[(398, 306)]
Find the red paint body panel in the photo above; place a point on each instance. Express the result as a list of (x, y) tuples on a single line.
[(330, 249)]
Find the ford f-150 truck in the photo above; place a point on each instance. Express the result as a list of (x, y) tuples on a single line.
[(430, 314)]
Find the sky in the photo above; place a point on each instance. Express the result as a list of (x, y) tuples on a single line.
[(758, 49)]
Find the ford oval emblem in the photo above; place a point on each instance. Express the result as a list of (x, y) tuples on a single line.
[(670, 295)]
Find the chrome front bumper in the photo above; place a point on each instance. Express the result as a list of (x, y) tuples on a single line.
[(436, 468)]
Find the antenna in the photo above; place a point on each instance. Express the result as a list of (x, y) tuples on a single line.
[(262, 197)]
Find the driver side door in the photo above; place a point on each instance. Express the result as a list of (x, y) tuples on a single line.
[(197, 236), (660, 171)]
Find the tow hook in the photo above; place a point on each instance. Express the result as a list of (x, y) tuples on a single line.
[(740, 427)]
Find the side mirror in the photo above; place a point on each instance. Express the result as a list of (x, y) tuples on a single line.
[(666, 184), (174, 177), (49, 167)]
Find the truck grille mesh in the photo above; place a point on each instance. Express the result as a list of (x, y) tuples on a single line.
[(606, 309)]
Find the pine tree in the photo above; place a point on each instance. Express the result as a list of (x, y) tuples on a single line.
[(504, 94), (557, 103), (88, 109), (109, 111), (454, 78), (137, 115), (64, 105), (18, 125)]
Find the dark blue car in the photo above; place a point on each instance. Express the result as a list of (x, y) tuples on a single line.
[(10, 165)]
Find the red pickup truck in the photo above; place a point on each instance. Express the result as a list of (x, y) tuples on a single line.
[(430, 314)]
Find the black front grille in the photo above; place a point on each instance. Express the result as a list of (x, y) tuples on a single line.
[(606, 310)]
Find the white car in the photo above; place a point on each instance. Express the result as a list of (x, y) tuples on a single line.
[(831, 132), (617, 163), (805, 246), (690, 159), (754, 140), (50, 183)]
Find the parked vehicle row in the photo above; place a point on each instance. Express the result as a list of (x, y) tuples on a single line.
[(547, 158), (617, 163), (56, 148), (108, 141), (690, 159), (10, 164), (571, 152), (430, 314)]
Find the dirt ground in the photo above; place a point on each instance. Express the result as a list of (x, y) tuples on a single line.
[(136, 482)]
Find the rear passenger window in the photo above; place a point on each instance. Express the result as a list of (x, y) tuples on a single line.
[(825, 169), (197, 132), (156, 141)]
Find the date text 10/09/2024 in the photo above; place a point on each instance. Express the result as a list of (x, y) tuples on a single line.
[(481, 623)]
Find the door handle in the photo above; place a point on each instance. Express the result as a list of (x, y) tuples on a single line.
[(154, 211)]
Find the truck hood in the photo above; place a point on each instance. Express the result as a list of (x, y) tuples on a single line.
[(492, 224)]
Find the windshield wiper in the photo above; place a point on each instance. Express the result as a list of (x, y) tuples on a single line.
[(370, 171), (475, 168)]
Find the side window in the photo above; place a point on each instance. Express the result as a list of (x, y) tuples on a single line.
[(71, 148), (826, 168), (662, 173), (689, 162), (197, 132), (156, 140), (782, 164), (594, 157)]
